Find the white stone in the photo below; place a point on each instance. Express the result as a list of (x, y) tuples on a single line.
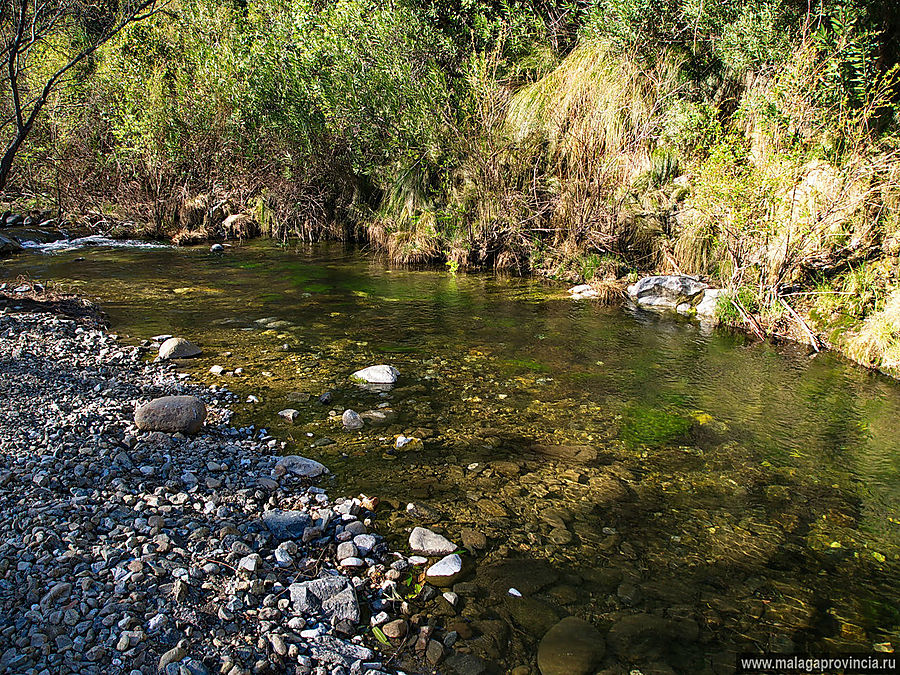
[(583, 292), (382, 374), (707, 307), (364, 543), (422, 540), (666, 291), (289, 414), (445, 568)]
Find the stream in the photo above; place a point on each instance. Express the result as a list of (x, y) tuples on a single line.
[(691, 492)]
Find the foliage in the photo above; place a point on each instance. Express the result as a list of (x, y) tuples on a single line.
[(754, 142)]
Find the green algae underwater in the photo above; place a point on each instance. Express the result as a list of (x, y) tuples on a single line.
[(690, 492)]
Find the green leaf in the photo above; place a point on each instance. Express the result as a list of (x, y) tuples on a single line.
[(380, 636)]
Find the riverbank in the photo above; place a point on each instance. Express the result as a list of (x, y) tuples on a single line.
[(128, 551)]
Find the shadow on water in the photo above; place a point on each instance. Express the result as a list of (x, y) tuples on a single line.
[(692, 494)]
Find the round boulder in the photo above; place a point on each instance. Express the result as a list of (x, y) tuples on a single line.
[(178, 348), (171, 414), (571, 647)]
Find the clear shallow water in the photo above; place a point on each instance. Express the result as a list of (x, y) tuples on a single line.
[(743, 489)]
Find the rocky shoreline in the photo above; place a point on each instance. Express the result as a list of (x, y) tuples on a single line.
[(130, 551)]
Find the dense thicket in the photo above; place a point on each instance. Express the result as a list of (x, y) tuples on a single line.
[(752, 141)]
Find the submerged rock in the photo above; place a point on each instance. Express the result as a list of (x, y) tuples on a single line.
[(571, 647), (381, 374), (178, 348), (380, 417), (290, 414), (352, 420), (649, 637), (171, 414)]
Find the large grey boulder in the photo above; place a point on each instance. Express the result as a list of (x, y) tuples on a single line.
[(571, 647), (376, 375), (332, 596), (171, 414), (178, 348), (666, 291)]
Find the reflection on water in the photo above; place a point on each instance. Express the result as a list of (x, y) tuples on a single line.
[(691, 494)]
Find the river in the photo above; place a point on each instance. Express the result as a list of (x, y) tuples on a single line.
[(693, 492)]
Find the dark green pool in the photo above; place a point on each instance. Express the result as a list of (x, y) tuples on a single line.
[(644, 474)]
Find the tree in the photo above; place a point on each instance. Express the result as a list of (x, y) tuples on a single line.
[(69, 32)]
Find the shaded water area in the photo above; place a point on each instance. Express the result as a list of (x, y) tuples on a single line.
[(691, 493)]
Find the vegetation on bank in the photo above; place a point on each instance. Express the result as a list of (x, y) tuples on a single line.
[(754, 143)]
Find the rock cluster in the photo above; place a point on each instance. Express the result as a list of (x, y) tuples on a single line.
[(128, 551), (684, 294)]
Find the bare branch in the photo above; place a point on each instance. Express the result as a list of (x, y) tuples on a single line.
[(40, 24)]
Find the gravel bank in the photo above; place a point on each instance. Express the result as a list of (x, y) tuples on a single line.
[(124, 551)]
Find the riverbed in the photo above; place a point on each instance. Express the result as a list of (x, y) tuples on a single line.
[(689, 491)]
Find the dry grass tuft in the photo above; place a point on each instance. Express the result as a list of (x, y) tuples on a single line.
[(877, 341)]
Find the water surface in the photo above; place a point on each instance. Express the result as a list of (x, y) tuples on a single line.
[(692, 492)]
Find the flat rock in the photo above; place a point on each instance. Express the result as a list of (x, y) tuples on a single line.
[(381, 374), (300, 466), (575, 453), (649, 637), (466, 664), (327, 649), (571, 647), (178, 348), (290, 414), (583, 292), (525, 575), (332, 596), (171, 414), (426, 542), (379, 418), (534, 616), (286, 524)]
